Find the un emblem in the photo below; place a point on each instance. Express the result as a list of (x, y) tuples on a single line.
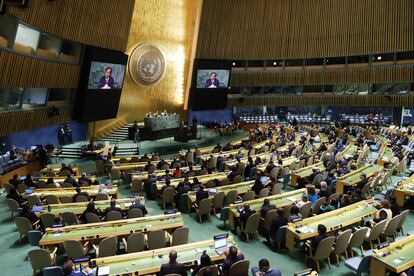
[(146, 65)]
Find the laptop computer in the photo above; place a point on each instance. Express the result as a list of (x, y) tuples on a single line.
[(220, 243), (212, 191)]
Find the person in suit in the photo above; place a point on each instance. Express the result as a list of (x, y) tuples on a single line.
[(14, 195), (257, 186), (84, 179), (89, 209), (232, 256), (204, 261), (80, 193), (106, 81), (265, 270), (201, 194), (314, 242), (277, 222), (244, 216), (137, 205), (266, 207), (15, 180), (69, 179), (173, 267), (112, 207), (364, 180), (212, 82)]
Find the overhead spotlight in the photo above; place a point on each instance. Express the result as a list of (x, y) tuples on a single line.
[(234, 64), (379, 58), (274, 63)]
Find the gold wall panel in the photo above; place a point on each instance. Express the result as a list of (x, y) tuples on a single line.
[(102, 23), (278, 29), (168, 24), (23, 71)]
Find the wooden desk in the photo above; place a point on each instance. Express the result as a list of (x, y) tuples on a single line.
[(264, 156), (144, 174), (137, 165), (286, 162), (70, 192), (56, 170), (400, 259), (352, 178), (405, 188), (79, 207), (209, 149), (202, 178), (61, 179), (383, 140), (385, 156), (280, 201), (305, 172), (128, 158), (241, 189), (226, 154), (349, 151), (119, 228), (333, 220), (149, 262)]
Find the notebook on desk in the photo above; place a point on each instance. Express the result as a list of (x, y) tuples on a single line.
[(103, 271)]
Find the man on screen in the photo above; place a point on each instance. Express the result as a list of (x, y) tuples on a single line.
[(107, 81), (212, 82)]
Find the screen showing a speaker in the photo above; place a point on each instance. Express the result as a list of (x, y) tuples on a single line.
[(106, 76), (212, 78), (100, 85)]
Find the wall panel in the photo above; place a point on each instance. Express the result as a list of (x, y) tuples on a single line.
[(23, 71), (322, 100), (102, 23), (13, 122), (402, 74), (269, 29)]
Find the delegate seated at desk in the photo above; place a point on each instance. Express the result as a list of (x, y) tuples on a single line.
[(173, 267)]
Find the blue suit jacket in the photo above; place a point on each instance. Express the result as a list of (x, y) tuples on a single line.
[(102, 82), (216, 83), (271, 272)]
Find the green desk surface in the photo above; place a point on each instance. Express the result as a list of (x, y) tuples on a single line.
[(306, 171), (388, 154), (61, 179), (402, 248), (337, 218), (61, 192), (110, 228), (202, 178), (350, 151), (407, 188), (150, 261), (79, 207), (239, 187), (354, 177), (280, 200), (245, 159)]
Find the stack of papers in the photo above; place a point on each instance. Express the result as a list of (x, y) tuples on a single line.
[(103, 270), (305, 230)]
